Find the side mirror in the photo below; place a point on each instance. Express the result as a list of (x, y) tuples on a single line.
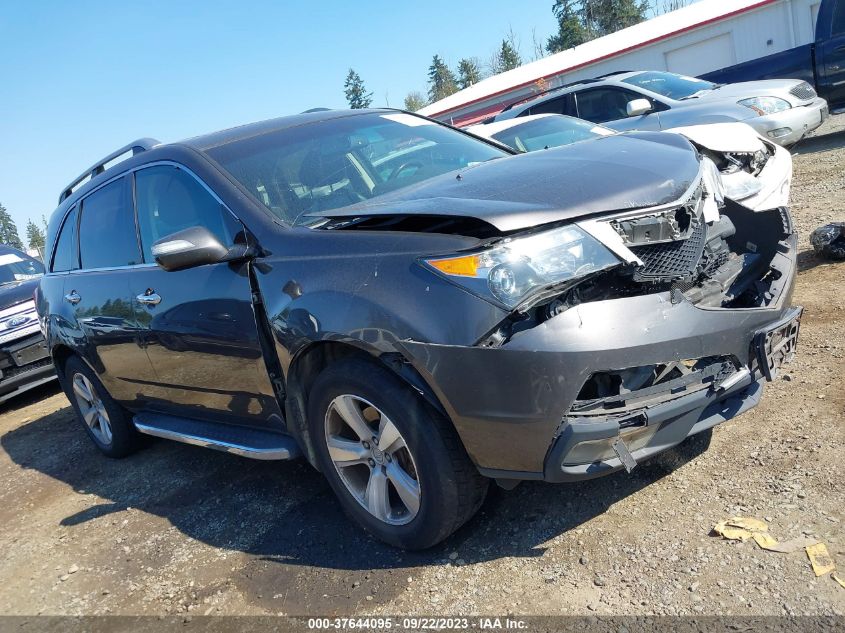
[(638, 107), (188, 248)]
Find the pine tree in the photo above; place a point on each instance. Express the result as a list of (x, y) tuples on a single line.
[(571, 31), (34, 236), (415, 101), (8, 230), (507, 58), (441, 80), (356, 94), (601, 17), (469, 72)]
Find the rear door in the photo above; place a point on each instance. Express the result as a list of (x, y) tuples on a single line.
[(200, 331), (98, 291), (565, 104), (609, 105)]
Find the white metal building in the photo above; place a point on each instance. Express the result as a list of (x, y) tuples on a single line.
[(703, 37)]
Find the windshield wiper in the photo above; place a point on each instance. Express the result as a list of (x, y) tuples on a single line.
[(696, 94)]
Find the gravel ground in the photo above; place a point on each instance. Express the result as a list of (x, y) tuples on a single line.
[(177, 529)]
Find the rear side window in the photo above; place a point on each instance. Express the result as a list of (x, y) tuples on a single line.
[(169, 200), (65, 257), (107, 236), (561, 105)]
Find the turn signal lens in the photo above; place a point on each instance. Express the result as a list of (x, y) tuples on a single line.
[(462, 266)]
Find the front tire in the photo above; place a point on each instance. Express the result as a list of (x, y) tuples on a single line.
[(108, 424), (396, 465)]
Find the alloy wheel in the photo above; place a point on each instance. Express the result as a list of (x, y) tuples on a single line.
[(93, 409), (372, 459)]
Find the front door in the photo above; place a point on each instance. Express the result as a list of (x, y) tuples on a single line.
[(830, 57), (609, 105), (201, 334)]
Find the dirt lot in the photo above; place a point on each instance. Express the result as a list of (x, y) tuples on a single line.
[(179, 529)]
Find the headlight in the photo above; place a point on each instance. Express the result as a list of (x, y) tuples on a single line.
[(766, 105), (741, 185), (517, 268)]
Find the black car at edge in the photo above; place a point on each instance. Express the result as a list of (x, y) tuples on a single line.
[(412, 309), (24, 358)]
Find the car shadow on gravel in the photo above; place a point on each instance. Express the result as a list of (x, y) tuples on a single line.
[(303, 554), (820, 143)]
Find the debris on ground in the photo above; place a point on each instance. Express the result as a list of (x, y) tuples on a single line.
[(767, 542), (820, 559), (829, 240), (838, 579), (740, 528)]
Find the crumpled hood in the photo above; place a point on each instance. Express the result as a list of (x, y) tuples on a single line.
[(723, 137), (19, 292), (614, 173)]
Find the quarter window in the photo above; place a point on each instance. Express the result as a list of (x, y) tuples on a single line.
[(107, 236), (169, 200), (65, 257)]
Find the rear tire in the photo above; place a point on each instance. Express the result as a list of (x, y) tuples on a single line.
[(401, 473), (107, 423)]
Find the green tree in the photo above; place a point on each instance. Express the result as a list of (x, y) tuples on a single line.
[(506, 58), (580, 21), (601, 17), (8, 230), (415, 101), (356, 94), (34, 236), (571, 31), (441, 80), (469, 72)]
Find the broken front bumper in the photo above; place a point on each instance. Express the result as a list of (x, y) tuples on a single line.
[(513, 405)]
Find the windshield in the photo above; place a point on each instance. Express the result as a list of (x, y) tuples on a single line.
[(669, 84), (14, 268), (549, 131), (311, 169)]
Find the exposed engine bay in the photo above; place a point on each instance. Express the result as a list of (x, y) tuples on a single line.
[(731, 262)]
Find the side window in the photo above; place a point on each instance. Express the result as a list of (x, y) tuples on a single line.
[(169, 200), (561, 105), (65, 257), (107, 235), (604, 104)]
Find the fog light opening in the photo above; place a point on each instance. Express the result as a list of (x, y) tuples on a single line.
[(591, 451)]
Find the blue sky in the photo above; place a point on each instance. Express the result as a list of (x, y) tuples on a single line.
[(81, 79)]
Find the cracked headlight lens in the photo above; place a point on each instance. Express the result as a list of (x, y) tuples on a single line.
[(515, 269), (766, 105), (741, 185)]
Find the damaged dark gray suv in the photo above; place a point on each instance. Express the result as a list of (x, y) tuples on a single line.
[(412, 309)]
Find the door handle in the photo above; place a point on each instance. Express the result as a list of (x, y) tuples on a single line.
[(73, 297), (149, 298)]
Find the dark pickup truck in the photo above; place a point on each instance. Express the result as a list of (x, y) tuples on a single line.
[(821, 63)]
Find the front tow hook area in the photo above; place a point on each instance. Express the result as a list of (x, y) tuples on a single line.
[(624, 455)]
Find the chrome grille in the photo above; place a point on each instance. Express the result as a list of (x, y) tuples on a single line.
[(803, 91)]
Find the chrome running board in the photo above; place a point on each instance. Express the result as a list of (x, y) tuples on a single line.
[(243, 441)]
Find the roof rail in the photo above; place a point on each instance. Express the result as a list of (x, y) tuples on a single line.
[(136, 147), (615, 72)]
